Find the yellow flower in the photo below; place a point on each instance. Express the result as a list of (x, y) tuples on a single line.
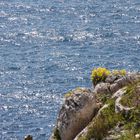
[(99, 74)]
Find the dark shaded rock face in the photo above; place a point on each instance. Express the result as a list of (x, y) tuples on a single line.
[(80, 111), (29, 137), (76, 113)]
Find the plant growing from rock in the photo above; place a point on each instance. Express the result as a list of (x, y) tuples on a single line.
[(99, 75), (127, 123), (119, 72)]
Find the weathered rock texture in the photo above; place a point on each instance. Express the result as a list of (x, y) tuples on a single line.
[(100, 113), (118, 106), (77, 111)]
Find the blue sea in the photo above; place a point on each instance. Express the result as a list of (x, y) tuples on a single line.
[(48, 47)]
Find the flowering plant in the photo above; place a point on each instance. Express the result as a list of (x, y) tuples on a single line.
[(99, 74)]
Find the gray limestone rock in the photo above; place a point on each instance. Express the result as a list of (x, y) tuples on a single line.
[(102, 88), (76, 112), (123, 81)]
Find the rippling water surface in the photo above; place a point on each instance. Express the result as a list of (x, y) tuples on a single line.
[(48, 47)]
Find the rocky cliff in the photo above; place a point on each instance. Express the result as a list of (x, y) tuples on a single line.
[(110, 111)]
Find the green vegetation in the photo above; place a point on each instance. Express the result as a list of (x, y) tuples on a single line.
[(102, 123), (102, 98), (119, 72), (132, 99), (107, 119), (129, 135), (132, 95), (100, 74)]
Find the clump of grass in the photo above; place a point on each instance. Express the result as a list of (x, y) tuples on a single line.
[(108, 119), (132, 95), (102, 98), (119, 72), (102, 123), (133, 121)]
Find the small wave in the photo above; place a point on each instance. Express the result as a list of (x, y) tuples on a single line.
[(3, 14), (13, 18), (82, 36)]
